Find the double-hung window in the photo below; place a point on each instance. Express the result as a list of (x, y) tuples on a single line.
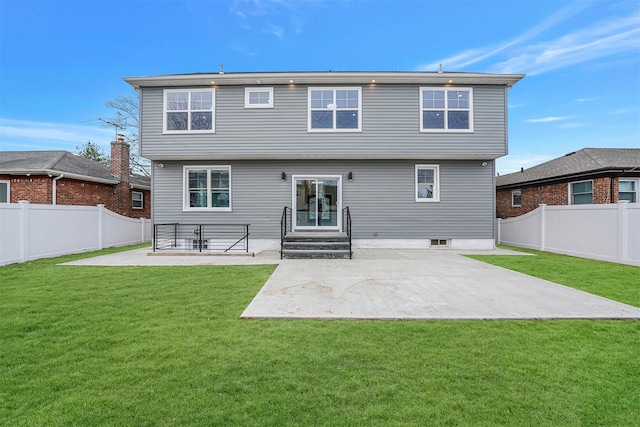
[(335, 109), (427, 183), (446, 109), (581, 192), (628, 190), (137, 200), (207, 188), (258, 97), (189, 111), (4, 192), (516, 198)]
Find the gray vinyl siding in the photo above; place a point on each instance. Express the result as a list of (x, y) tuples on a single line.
[(390, 128), (381, 197)]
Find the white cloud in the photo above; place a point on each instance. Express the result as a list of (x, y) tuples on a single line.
[(602, 39), (528, 54), (31, 135), (546, 119), (473, 56)]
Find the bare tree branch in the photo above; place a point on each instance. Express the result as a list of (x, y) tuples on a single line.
[(127, 119)]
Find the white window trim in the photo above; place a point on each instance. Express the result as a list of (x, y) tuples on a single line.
[(446, 110), (310, 129), (570, 187), (436, 184), (2, 181), (185, 188), (512, 202), (141, 200), (636, 180), (249, 90), (188, 131)]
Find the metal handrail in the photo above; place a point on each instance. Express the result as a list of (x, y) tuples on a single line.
[(346, 226), (201, 237), (284, 227)]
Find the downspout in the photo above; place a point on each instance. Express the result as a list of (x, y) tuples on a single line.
[(53, 188)]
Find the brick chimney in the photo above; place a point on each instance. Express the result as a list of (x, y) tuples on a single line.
[(120, 169), (120, 159)]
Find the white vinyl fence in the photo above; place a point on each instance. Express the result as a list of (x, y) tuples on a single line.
[(30, 231), (605, 232)]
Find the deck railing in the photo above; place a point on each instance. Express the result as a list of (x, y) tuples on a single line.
[(285, 226), (346, 226), (201, 237)]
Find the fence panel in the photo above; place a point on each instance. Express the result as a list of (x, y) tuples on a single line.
[(10, 232), (606, 232), (522, 231), (54, 230), (631, 235), (120, 230), (582, 230), (29, 232)]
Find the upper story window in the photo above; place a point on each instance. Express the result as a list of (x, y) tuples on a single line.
[(581, 192), (516, 198), (207, 188), (427, 183), (446, 110), (258, 97), (137, 200), (189, 110), (627, 190), (335, 109), (4, 192)]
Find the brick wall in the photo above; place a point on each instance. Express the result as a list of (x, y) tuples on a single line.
[(553, 194), (37, 189)]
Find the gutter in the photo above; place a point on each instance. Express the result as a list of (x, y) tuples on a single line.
[(53, 188), (52, 172), (566, 178)]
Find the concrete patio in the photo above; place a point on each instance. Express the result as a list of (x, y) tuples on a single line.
[(397, 285)]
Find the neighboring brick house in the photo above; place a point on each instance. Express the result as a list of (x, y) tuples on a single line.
[(587, 176), (63, 178)]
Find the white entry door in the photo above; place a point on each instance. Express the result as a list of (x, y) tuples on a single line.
[(316, 202)]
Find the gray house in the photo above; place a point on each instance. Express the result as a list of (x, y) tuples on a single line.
[(410, 154)]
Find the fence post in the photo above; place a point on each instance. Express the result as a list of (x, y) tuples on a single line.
[(499, 239), (622, 230), (142, 230), (100, 225), (24, 230), (543, 225)]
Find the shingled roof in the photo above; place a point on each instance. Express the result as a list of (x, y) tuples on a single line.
[(62, 162), (580, 163)]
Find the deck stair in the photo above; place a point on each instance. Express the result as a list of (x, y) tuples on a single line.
[(316, 245)]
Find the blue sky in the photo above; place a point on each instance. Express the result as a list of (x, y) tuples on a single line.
[(60, 61)]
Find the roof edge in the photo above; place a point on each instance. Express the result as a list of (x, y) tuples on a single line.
[(324, 77)]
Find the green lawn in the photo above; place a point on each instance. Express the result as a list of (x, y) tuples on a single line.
[(164, 346), (615, 281)]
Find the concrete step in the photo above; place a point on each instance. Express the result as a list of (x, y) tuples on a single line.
[(316, 254), (323, 236), (316, 245)]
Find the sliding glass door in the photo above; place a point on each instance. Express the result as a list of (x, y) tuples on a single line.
[(317, 203)]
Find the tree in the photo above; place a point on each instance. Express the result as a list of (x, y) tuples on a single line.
[(92, 151), (126, 123)]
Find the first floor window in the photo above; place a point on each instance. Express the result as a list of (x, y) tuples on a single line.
[(427, 183), (207, 187), (189, 110), (137, 200), (628, 190), (516, 198), (446, 109), (581, 192), (4, 192)]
